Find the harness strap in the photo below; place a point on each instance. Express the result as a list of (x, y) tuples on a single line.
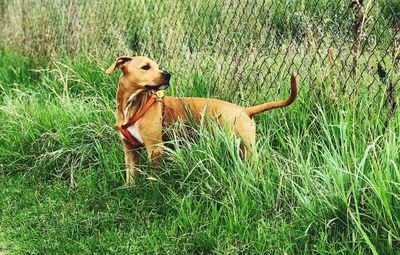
[(140, 113), (125, 133), (124, 128)]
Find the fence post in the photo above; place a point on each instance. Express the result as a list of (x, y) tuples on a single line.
[(358, 19), (396, 50), (391, 88)]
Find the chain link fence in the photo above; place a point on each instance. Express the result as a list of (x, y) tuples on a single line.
[(243, 50)]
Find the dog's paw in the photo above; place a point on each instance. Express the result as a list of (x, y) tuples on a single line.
[(130, 181)]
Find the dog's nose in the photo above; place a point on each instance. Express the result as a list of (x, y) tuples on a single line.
[(167, 75)]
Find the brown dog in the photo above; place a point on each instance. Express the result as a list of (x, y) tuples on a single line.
[(140, 78)]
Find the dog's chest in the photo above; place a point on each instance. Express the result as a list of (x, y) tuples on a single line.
[(134, 129)]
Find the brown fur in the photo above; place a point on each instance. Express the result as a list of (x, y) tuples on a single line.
[(139, 75)]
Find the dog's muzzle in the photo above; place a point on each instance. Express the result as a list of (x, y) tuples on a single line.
[(156, 87), (159, 87), (164, 84)]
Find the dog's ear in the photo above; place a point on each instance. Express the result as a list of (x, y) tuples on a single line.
[(119, 63)]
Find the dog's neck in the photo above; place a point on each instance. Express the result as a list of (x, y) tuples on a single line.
[(129, 101)]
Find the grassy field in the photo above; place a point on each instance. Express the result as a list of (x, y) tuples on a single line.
[(326, 179)]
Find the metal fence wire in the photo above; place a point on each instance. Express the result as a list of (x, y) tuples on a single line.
[(243, 50)]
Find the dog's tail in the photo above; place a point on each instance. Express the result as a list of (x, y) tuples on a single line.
[(251, 111)]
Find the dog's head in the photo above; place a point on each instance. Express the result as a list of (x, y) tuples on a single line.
[(142, 72)]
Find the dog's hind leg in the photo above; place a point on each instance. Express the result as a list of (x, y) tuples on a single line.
[(247, 147), (131, 162), (246, 130)]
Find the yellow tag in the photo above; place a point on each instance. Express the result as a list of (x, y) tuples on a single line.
[(160, 93)]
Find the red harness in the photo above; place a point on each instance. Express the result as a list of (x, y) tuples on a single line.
[(124, 128)]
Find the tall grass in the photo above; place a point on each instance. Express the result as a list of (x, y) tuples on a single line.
[(324, 180)]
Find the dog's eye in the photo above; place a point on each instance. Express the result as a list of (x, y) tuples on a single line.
[(146, 67)]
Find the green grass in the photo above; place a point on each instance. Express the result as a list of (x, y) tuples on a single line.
[(325, 180)]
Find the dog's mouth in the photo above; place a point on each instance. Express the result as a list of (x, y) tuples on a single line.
[(156, 87)]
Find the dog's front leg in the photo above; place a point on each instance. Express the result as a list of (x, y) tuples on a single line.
[(154, 147), (131, 162), (152, 140), (154, 152)]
